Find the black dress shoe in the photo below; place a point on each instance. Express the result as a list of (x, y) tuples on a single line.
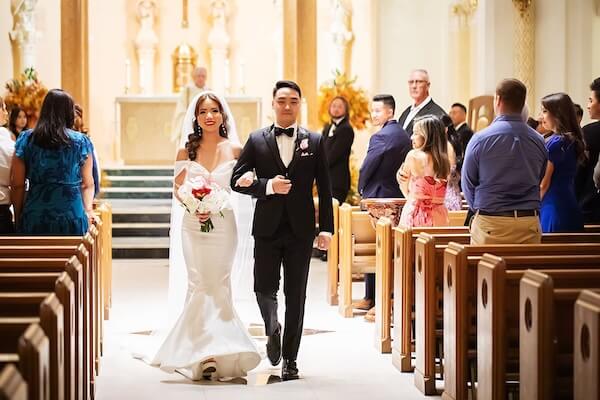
[(274, 347), (289, 370)]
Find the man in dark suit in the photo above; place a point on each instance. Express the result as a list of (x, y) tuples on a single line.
[(589, 198), (386, 153), (339, 136), (423, 104), (286, 160), (458, 114)]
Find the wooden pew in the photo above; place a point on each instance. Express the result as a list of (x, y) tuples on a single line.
[(357, 252), (74, 270), (12, 384), (383, 285), (105, 213), (21, 295), (586, 352), (546, 323), (333, 259), (459, 268), (30, 348)]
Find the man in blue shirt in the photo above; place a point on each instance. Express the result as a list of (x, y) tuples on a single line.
[(504, 165)]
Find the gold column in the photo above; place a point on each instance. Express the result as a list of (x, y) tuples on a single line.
[(300, 50), (524, 56), (460, 47), (74, 51)]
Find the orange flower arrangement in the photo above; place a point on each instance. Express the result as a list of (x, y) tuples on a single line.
[(27, 93), (343, 86)]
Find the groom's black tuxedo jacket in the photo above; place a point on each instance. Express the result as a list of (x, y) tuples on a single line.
[(261, 155)]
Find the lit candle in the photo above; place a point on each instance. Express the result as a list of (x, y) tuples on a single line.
[(242, 78), (142, 77), (127, 75), (304, 113)]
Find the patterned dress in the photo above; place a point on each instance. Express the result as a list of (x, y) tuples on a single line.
[(54, 203), (425, 204)]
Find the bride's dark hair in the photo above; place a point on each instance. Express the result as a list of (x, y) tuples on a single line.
[(195, 137)]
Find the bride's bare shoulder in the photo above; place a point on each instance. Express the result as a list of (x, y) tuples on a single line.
[(182, 154), (236, 148)]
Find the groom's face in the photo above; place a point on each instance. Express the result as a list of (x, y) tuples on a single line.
[(286, 105)]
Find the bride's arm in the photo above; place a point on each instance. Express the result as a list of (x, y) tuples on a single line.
[(247, 179), (182, 155)]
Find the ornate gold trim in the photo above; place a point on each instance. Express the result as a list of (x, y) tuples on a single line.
[(464, 8), (522, 5)]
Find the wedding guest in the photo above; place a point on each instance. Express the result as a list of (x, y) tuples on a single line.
[(533, 123), (79, 126), (423, 104), (589, 198), (17, 122), (424, 174), (560, 211), (195, 87), (578, 113), (56, 161), (386, 152), (339, 137), (455, 156), (597, 175), (7, 148), (504, 164), (458, 114)]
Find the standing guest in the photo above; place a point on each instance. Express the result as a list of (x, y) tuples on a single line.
[(17, 122), (339, 136), (588, 196), (597, 175), (560, 211), (56, 161), (79, 126), (423, 104), (7, 148), (387, 150), (578, 113), (504, 165), (423, 176), (455, 156), (195, 87), (458, 114)]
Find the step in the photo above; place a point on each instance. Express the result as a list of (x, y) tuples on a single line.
[(140, 247), (136, 229), (136, 193), (143, 214), (138, 181), (138, 170)]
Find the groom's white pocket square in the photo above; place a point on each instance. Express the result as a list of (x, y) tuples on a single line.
[(306, 154)]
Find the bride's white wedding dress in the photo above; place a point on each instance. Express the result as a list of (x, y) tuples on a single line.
[(208, 327)]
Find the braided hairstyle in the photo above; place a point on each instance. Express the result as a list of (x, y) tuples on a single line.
[(195, 137)]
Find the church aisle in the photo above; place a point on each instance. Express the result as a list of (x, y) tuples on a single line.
[(337, 359)]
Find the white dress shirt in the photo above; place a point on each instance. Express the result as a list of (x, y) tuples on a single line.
[(457, 127), (7, 149), (414, 110), (334, 125)]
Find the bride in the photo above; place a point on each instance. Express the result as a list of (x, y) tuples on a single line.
[(208, 340)]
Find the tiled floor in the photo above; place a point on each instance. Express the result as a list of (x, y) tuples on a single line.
[(337, 359)]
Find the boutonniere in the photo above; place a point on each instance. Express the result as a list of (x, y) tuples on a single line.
[(302, 142)]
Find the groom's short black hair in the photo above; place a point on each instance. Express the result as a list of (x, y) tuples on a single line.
[(286, 84)]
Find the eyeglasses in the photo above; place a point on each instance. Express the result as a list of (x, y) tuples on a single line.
[(416, 81)]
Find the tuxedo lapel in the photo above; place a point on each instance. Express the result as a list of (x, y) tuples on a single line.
[(272, 143), (302, 134)]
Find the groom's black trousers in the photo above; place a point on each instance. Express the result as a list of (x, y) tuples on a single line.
[(283, 248)]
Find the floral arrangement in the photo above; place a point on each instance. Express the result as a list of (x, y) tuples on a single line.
[(201, 196), (345, 87), (26, 92)]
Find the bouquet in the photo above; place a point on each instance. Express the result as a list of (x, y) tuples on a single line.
[(26, 92), (199, 195)]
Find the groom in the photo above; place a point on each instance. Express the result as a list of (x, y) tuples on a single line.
[(286, 159)]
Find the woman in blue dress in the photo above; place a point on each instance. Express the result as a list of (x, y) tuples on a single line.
[(560, 211), (58, 164)]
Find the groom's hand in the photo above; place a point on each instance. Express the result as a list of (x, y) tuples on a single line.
[(323, 242), (281, 185)]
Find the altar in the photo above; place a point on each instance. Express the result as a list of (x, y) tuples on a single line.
[(144, 126)]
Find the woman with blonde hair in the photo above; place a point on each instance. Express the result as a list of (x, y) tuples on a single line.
[(423, 176)]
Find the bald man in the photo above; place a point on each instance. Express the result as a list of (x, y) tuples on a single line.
[(197, 85), (423, 104)]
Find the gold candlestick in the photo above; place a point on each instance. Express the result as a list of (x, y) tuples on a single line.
[(184, 62)]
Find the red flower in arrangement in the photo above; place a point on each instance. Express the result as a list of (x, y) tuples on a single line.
[(201, 192)]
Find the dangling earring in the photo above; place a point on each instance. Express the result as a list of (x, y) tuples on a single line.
[(223, 131), (197, 129)]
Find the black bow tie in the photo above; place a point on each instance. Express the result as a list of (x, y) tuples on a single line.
[(284, 131)]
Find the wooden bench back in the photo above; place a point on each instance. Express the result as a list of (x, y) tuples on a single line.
[(12, 384), (586, 352)]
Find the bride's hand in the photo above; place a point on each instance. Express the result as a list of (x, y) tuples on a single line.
[(245, 180), (203, 217)]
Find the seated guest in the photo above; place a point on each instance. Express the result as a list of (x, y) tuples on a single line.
[(578, 113), (424, 174), (455, 155), (504, 165), (560, 211), (7, 148), (58, 164), (588, 196), (339, 137), (458, 114), (423, 104), (17, 122), (387, 149), (79, 127)]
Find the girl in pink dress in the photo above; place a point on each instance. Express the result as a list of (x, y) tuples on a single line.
[(424, 174)]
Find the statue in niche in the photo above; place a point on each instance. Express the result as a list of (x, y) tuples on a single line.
[(341, 34), (146, 41), (23, 34), (218, 40)]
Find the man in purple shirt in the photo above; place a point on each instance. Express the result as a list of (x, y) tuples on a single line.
[(504, 165)]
